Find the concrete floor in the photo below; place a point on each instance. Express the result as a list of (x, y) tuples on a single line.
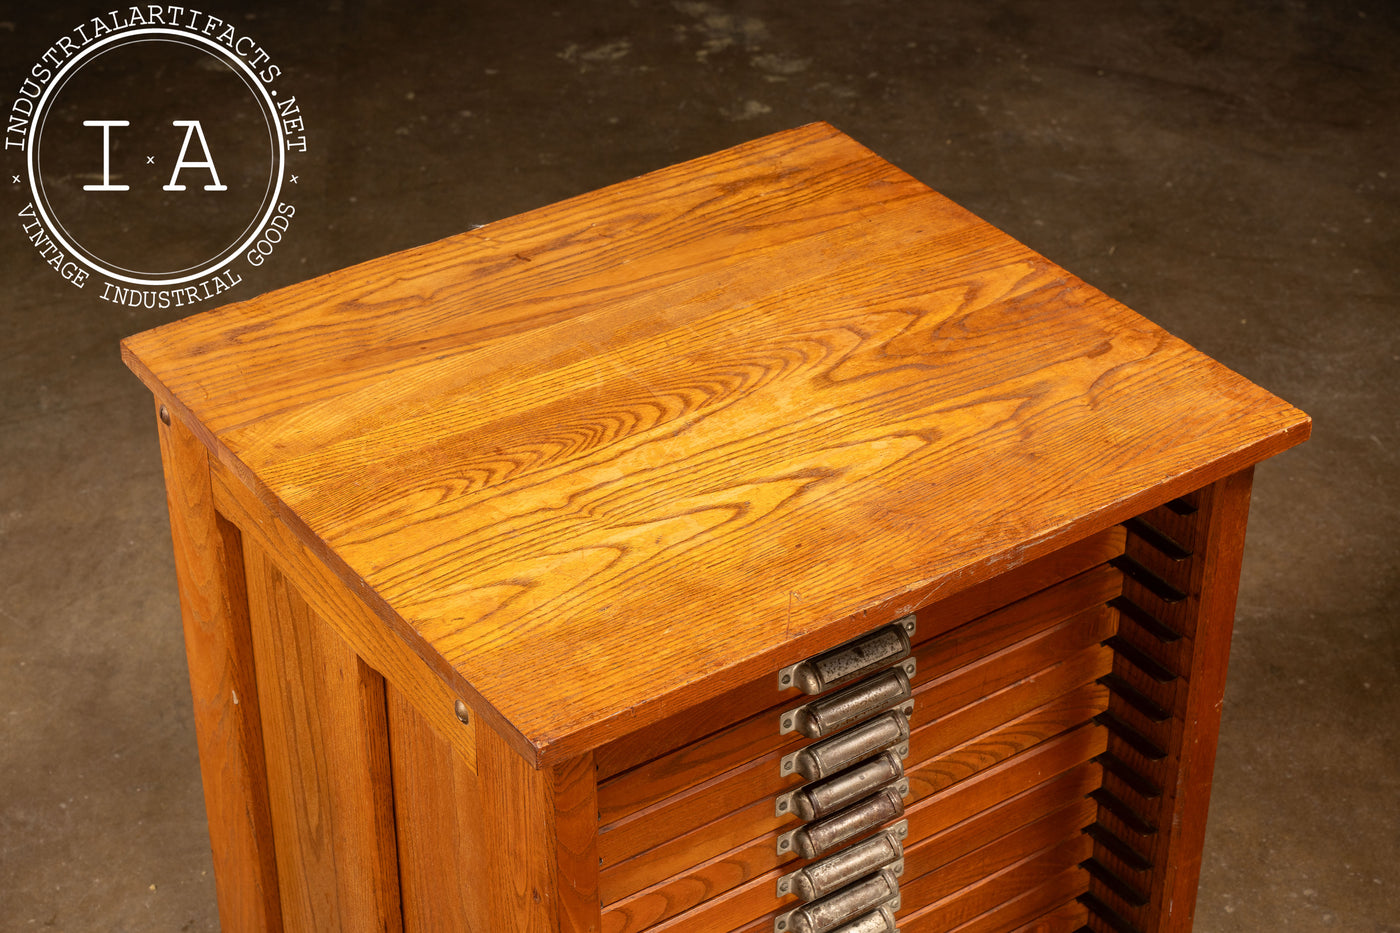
[(1227, 169)]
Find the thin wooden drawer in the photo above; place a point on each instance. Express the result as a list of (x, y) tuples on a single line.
[(1002, 692), (971, 665)]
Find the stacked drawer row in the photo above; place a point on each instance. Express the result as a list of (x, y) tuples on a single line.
[(1005, 724), (855, 783)]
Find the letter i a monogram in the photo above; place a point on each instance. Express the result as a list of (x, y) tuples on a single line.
[(138, 215), (106, 155), (192, 128)]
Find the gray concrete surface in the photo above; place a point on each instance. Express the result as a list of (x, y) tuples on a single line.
[(1227, 169)]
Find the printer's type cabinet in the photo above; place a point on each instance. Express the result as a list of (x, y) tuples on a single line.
[(765, 543)]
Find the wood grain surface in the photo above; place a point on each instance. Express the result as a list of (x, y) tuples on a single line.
[(491, 844), (952, 672), (998, 854), (1067, 918), (644, 853), (964, 721), (933, 620), (327, 741), (439, 827), (223, 685), (968, 905), (1034, 887), (620, 455), (345, 612), (752, 894), (1209, 612)]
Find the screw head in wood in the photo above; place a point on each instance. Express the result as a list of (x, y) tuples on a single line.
[(463, 711), (164, 415)]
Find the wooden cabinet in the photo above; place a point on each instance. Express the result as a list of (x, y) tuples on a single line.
[(491, 554)]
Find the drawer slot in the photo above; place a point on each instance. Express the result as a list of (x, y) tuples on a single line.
[(976, 893), (1003, 710), (954, 663), (956, 822), (999, 692), (684, 732)]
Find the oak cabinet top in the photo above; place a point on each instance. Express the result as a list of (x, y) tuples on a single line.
[(614, 456)]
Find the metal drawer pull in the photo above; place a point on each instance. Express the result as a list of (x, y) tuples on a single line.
[(814, 839), (830, 713), (853, 659), (825, 758), (821, 878), (814, 801), (829, 913), (879, 921)]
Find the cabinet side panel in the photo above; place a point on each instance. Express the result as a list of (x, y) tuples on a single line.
[(576, 844), (490, 844), (1172, 648), (518, 839), (1228, 502), (340, 608), (218, 646), (326, 739), (438, 816)]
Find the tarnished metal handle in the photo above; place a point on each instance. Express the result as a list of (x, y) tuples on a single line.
[(830, 713), (821, 878), (825, 758), (849, 903), (853, 659), (877, 921), (814, 839), (814, 801)]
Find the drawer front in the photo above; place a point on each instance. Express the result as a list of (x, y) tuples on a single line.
[(976, 777)]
